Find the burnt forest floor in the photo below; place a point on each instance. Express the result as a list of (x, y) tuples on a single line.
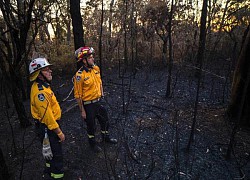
[(152, 131)]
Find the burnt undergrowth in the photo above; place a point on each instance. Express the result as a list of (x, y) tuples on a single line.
[(153, 131)]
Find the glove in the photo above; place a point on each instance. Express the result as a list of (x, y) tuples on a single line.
[(47, 153)]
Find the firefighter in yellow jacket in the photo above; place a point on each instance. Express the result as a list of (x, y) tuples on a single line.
[(47, 113), (88, 90)]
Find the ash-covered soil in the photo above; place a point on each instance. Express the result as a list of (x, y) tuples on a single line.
[(153, 132)]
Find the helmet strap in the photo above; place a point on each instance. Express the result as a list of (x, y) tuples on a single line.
[(45, 79), (87, 64)]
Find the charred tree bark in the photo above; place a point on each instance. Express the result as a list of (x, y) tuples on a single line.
[(4, 173), (12, 84), (164, 51), (132, 34), (202, 40), (15, 49), (240, 82), (240, 105), (200, 56), (15, 91), (42, 29), (125, 34), (76, 17), (67, 21), (100, 40), (20, 109), (109, 55), (170, 67)]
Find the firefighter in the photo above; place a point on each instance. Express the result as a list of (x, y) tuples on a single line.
[(47, 113), (88, 91)]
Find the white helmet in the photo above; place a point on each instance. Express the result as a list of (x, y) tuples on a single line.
[(37, 64)]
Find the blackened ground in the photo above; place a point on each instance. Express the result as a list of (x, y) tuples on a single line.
[(153, 132)]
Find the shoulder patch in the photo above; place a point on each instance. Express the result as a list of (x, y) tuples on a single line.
[(41, 97), (78, 78)]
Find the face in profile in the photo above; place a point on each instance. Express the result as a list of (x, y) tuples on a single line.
[(47, 72), (91, 60)]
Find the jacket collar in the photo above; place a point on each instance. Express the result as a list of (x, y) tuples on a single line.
[(45, 84), (85, 68)]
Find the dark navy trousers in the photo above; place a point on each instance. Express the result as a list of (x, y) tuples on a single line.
[(54, 167), (93, 111)]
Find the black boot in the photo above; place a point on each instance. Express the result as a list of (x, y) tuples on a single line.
[(93, 145), (106, 138)]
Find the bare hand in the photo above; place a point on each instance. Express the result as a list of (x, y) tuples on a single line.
[(83, 114), (61, 137)]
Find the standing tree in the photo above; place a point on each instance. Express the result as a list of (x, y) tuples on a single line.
[(100, 38), (239, 106), (76, 17), (15, 49), (157, 15), (240, 82), (110, 29), (168, 92), (125, 32), (200, 57)]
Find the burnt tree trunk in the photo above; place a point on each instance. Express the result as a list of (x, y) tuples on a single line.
[(15, 92), (171, 61), (14, 50), (202, 40), (109, 55), (240, 82), (164, 51), (68, 23), (20, 109), (100, 39), (76, 17), (200, 57), (125, 34)]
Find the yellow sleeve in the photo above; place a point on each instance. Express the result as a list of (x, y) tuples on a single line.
[(97, 69), (78, 89), (99, 74), (43, 103)]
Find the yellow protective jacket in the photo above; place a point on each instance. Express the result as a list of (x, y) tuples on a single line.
[(87, 83), (44, 106)]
